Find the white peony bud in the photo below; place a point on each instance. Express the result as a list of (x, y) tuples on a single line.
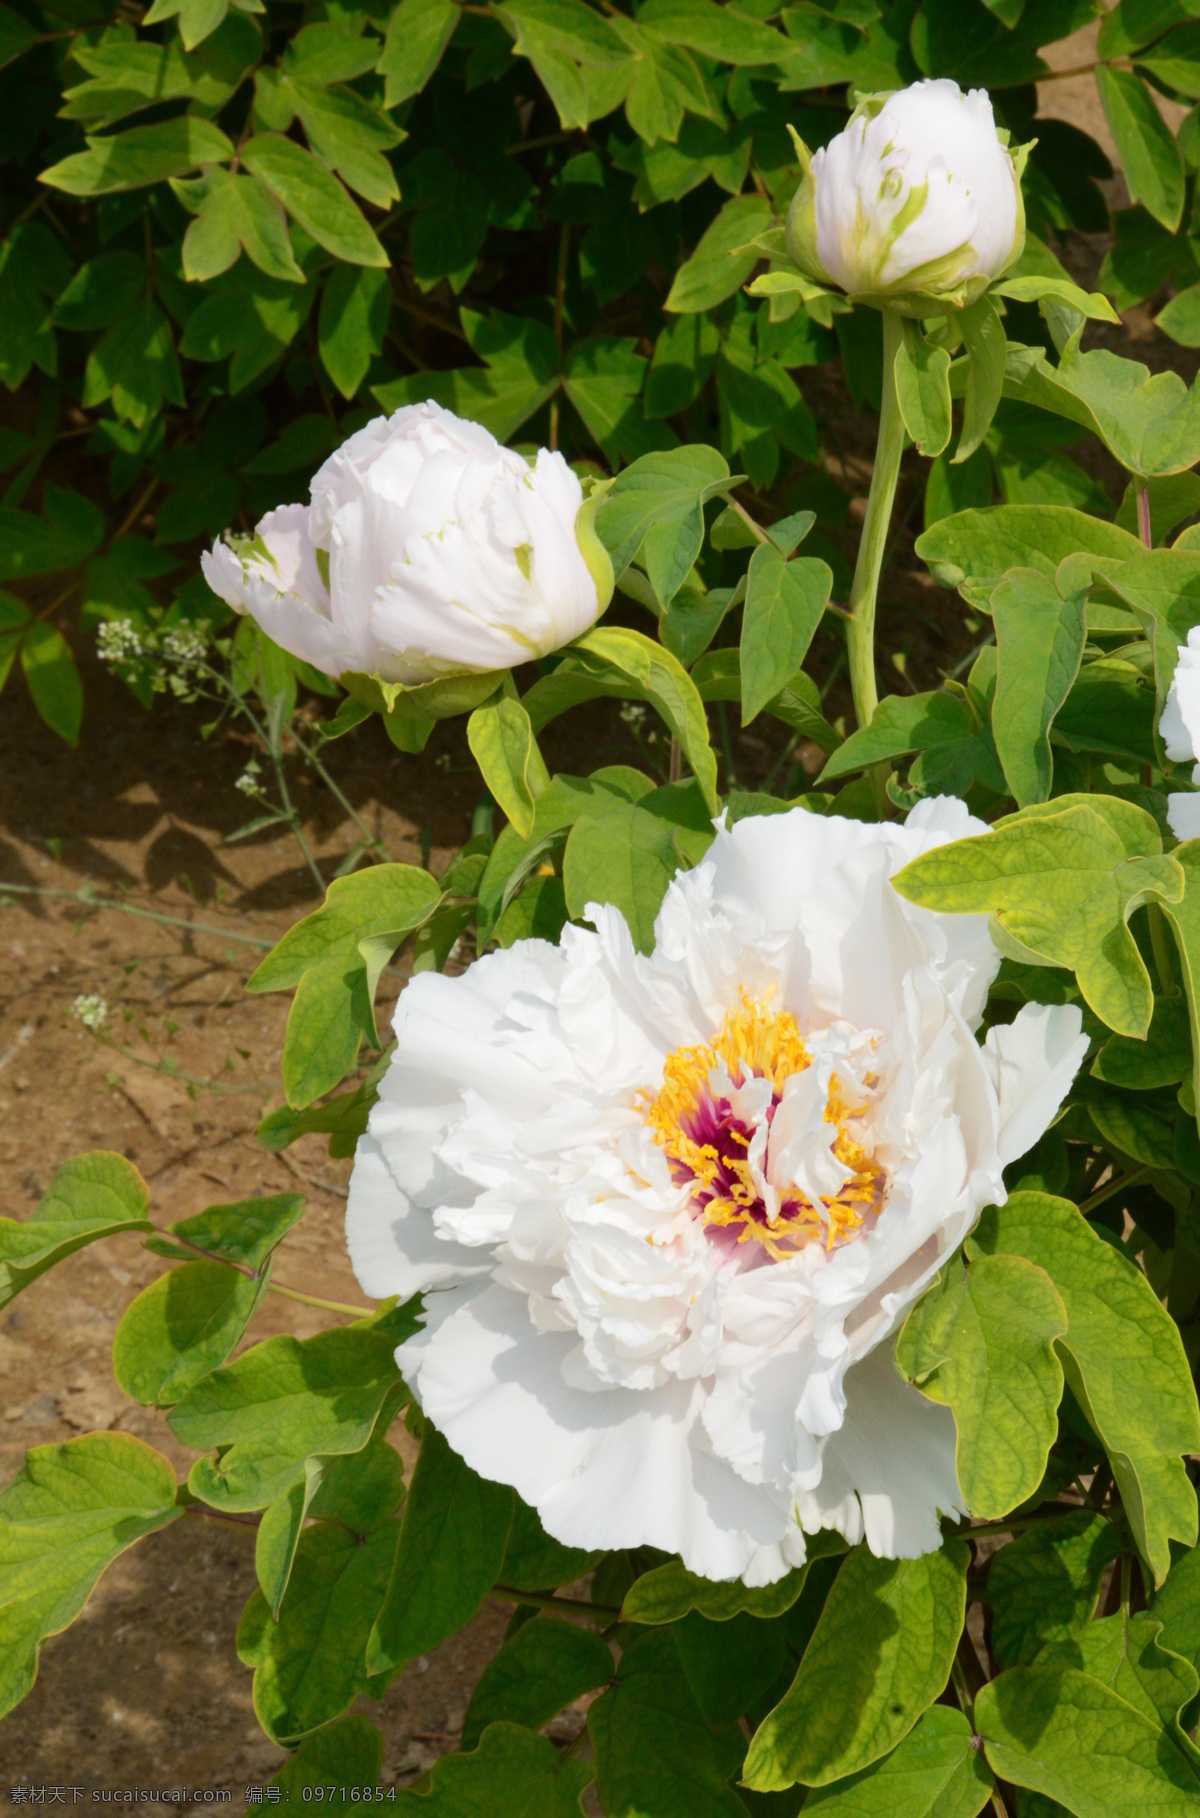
[(918, 193), (428, 550)]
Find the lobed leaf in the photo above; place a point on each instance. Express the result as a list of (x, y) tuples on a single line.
[(880, 1656)]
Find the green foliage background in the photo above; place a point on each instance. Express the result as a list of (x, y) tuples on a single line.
[(231, 234)]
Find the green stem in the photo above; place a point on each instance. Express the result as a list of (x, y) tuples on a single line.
[(860, 633), (546, 1601), (326, 1306), (1160, 943), (1110, 1187)]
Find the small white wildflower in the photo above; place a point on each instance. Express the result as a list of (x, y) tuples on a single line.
[(184, 644), (91, 1011), (118, 641), (248, 781)]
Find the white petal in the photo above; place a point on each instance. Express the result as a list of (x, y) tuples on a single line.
[(1032, 1061), (603, 1470), (894, 1455), (1183, 814)]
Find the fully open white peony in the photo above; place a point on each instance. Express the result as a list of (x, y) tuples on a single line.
[(669, 1212)]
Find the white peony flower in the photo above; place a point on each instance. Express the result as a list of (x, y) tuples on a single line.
[(1180, 732), (669, 1212), (917, 193), (427, 550)]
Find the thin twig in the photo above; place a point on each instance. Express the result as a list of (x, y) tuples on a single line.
[(87, 900)]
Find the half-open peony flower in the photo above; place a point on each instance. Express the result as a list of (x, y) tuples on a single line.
[(428, 550), (668, 1212), (918, 192), (1180, 731)]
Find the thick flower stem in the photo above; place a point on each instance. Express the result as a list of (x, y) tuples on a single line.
[(860, 632)]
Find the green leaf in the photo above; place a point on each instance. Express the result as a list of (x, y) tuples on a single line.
[(53, 680), (502, 744), (1045, 1585), (249, 316), (1134, 1129), (683, 357), (379, 900), (730, 1665), (1149, 421), (1184, 918), (545, 1666), (935, 1773), (603, 378), (126, 76), (654, 1751), (511, 1772), (313, 197), (311, 1665), (67, 1514), (1039, 642), (1057, 288), (278, 1535), (669, 1591), (33, 269), (533, 1561), (982, 1343), (417, 35), (880, 1655), (346, 1755), (197, 18), (785, 602), (974, 550), (134, 364), (233, 213), (1163, 1059), (520, 371), (1147, 148), (983, 333), (355, 306), (181, 1327), (16, 35), (1177, 1607), (901, 724), (626, 858), (721, 262), (581, 62), (923, 390), (656, 507), (1059, 883), (725, 33), (281, 1402), (1076, 1740), (245, 1233), (91, 1196), (1124, 1361), (665, 683), (65, 537), (330, 1014), (140, 156), (451, 1547)]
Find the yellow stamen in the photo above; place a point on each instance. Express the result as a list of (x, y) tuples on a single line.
[(753, 1043)]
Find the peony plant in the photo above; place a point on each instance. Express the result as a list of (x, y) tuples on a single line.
[(780, 1210)]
